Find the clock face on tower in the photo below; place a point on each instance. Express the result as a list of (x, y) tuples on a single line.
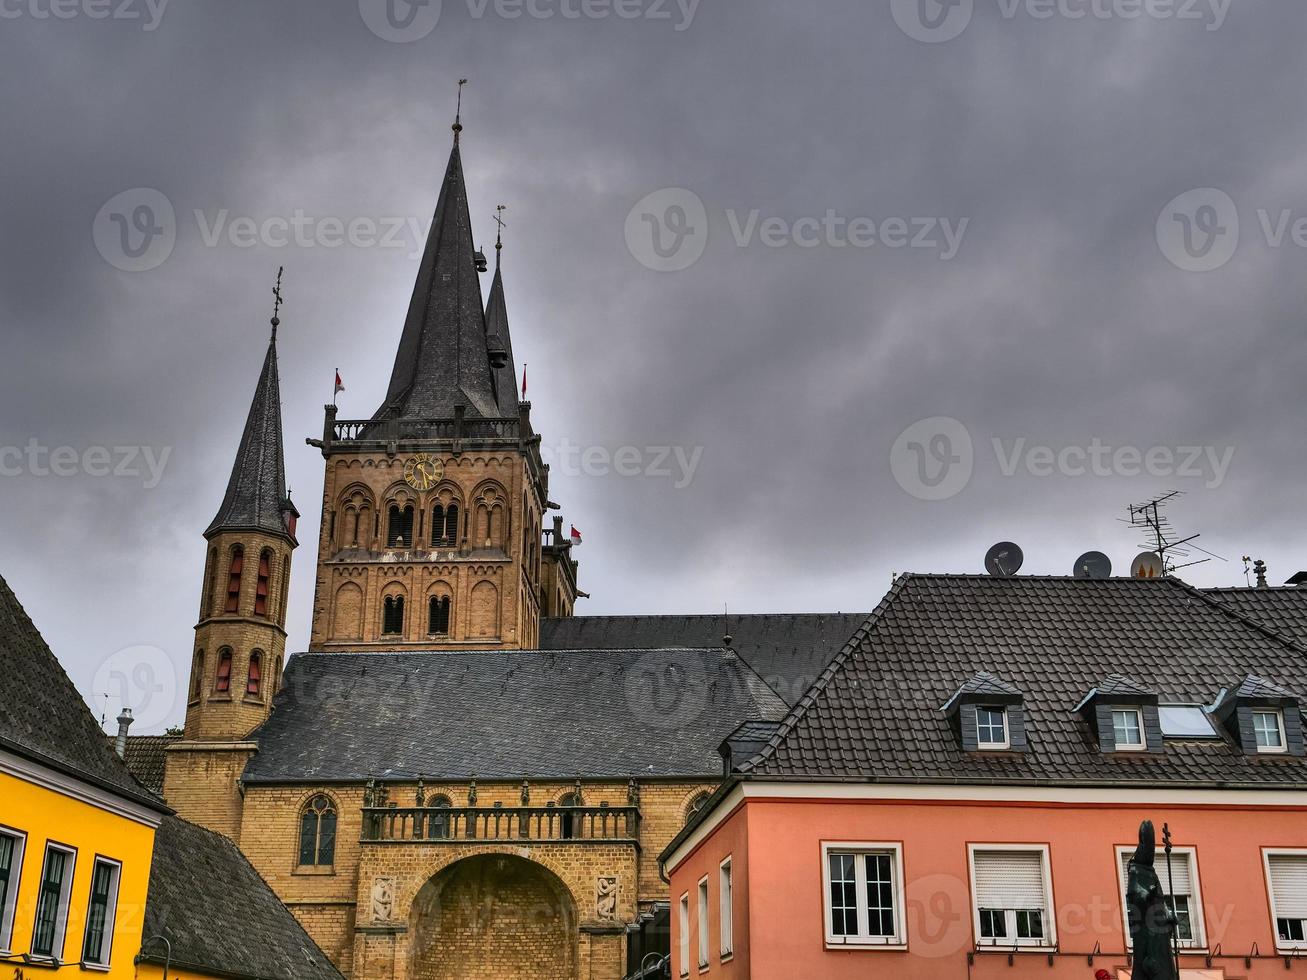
[(423, 471)]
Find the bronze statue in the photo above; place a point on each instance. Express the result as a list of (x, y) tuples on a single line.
[(1152, 922)]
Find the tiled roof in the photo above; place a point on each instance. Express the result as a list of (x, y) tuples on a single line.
[(497, 328), (1260, 687), (1117, 685), (789, 651), (875, 712), (42, 715), (1282, 609), (219, 915), (507, 715), (983, 682), (145, 758)]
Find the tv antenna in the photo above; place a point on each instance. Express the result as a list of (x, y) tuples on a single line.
[(1162, 539)]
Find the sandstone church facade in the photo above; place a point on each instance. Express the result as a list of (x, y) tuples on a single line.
[(459, 779)]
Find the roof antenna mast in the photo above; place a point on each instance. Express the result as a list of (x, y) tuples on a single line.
[(458, 112), (1161, 539)]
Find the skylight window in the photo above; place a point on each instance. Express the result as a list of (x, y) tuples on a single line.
[(1185, 721)]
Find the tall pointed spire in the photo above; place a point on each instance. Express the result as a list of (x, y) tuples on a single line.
[(256, 496), (498, 339), (442, 360)]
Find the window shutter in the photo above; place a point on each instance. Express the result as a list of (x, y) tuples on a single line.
[(1181, 872), (1009, 879), (1289, 885)]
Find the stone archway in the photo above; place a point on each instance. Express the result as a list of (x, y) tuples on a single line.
[(493, 916)]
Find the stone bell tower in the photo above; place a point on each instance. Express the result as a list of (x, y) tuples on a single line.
[(240, 639), (433, 509)]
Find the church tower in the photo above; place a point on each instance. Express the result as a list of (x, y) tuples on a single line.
[(240, 639), (433, 508)]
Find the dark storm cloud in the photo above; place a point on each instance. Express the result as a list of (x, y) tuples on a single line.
[(793, 369)]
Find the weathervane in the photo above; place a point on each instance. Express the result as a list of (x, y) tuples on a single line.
[(458, 111), (499, 235), (276, 305)]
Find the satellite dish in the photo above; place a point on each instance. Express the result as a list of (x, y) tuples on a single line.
[(1147, 564), (1004, 559), (1093, 564)]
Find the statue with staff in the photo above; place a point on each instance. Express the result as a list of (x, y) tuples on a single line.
[(1152, 918)]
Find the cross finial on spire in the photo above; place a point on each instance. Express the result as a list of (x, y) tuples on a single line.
[(458, 112), (499, 235), (276, 306)]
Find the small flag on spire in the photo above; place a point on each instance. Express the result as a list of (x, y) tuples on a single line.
[(340, 385), (523, 381), (576, 537)]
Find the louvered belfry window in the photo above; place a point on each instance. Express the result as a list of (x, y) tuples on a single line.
[(400, 531), (1010, 898), (261, 594), (222, 683), (1289, 894), (392, 617), (254, 680), (438, 616), (234, 579)]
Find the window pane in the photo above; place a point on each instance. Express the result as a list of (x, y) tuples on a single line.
[(1030, 924), (993, 924), (991, 726), (880, 896), (843, 896), (1266, 725), (101, 885), (327, 838), (1290, 930), (47, 906), (308, 837), (1125, 727), (1184, 928)]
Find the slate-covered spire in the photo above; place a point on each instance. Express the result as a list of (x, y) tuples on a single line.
[(500, 343), (256, 497), (442, 361)]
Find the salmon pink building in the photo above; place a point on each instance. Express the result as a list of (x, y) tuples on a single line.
[(958, 794)]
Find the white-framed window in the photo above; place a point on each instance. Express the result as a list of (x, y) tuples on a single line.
[(1286, 876), (1128, 729), (726, 901), (12, 845), (864, 894), (683, 924), (991, 728), (1268, 728), (53, 893), (1013, 895), (101, 912), (702, 913), (1188, 897)]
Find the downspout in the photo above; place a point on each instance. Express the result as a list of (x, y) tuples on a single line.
[(167, 956)]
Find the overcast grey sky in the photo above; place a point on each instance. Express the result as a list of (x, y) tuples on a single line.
[(1059, 314)]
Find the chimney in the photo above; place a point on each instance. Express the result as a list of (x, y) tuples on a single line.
[(124, 722), (1259, 569)]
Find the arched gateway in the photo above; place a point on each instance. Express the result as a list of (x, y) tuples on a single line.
[(493, 915)]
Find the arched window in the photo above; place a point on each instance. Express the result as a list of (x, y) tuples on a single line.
[(254, 680), (695, 805), (197, 676), (392, 619), (318, 832), (234, 579), (285, 591), (438, 616), (439, 825), (261, 593), (222, 680), (438, 526), (400, 530), (210, 582), (570, 823)]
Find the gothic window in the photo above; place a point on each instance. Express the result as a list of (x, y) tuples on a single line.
[(695, 805), (254, 680), (400, 529), (318, 832), (234, 579), (261, 593), (438, 526), (392, 620), (439, 826), (438, 616), (197, 676), (570, 823), (210, 581), (222, 680)]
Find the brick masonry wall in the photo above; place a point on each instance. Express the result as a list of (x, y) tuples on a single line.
[(201, 782)]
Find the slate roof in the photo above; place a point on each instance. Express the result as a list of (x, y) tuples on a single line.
[(42, 715), (982, 682), (1118, 685), (219, 915), (874, 714), (506, 715), (145, 758), (789, 651), (1260, 687), (443, 360), (1282, 609), (497, 327), (256, 492)]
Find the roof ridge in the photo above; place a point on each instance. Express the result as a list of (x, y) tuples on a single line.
[(1234, 614)]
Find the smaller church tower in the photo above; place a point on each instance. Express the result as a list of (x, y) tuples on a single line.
[(240, 639)]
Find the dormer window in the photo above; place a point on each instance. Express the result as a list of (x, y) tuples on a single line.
[(1262, 718), (1268, 729), (1123, 716), (1128, 730), (991, 728)]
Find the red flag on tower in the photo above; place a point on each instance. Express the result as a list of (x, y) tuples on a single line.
[(340, 385), (576, 537)]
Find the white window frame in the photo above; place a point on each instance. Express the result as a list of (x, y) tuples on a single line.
[(683, 920), (1199, 942), (701, 917), (1001, 711), (65, 901), (9, 900), (110, 911), (726, 908), (899, 941), (1281, 945), (1139, 746), (1049, 940), (1283, 747)]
